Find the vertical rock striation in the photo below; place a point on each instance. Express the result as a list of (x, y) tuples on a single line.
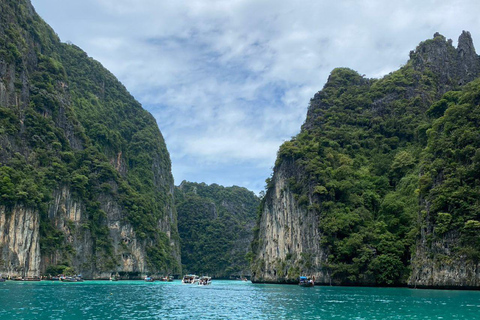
[(19, 242), (288, 238)]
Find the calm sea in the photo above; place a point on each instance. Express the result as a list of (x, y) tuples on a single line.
[(227, 300)]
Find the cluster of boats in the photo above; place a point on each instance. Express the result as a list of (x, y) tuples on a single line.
[(76, 278), (187, 279), (63, 278), (194, 279), (166, 279)]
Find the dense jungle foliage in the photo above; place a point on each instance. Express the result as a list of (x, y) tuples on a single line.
[(374, 153), (215, 224), (450, 181), (73, 124)]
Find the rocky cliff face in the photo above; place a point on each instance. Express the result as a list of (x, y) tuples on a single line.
[(85, 177), (343, 204), (19, 242), (436, 264), (288, 238)]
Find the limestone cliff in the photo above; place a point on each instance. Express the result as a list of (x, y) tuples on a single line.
[(437, 264), (288, 238), (347, 200), (85, 176)]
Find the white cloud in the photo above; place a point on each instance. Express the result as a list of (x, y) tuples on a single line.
[(228, 81)]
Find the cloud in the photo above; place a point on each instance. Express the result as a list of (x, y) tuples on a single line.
[(228, 81)]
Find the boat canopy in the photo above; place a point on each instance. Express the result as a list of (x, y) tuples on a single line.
[(303, 278)]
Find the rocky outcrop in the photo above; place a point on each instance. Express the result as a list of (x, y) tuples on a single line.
[(68, 216), (435, 265), (19, 241), (452, 66), (288, 237)]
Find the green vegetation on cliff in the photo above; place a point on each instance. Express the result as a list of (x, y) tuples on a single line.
[(359, 167), (450, 167), (374, 153), (68, 122), (215, 224)]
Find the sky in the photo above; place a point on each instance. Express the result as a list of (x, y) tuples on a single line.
[(229, 81)]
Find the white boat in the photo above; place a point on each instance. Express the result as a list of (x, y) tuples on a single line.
[(76, 278), (205, 281), (190, 279)]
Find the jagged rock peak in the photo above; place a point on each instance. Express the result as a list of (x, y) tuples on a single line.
[(465, 44), (453, 66)]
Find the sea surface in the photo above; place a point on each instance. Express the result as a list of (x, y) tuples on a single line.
[(227, 300)]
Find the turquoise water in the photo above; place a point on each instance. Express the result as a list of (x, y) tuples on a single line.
[(227, 300)]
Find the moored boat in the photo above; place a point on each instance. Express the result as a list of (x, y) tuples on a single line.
[(190, 279), (167, 279), (35, 278), (77, 278), (306, 282), (149, 279), (205, 281)]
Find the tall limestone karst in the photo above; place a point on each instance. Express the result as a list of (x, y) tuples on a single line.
[(85, 176), (215, 224), (381, 186)]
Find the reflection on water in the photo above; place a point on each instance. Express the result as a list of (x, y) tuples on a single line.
[(227, 300)]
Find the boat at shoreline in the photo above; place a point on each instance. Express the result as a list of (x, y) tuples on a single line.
[(34, 278), (76, 278), (306, 282), (149, 279)]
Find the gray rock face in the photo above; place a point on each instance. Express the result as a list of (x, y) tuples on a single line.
[(289, 239), (19, 242), (434, 265), (453, 66)]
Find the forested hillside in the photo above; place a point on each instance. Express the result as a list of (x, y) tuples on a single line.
[(381, 185), (85, 177), (216, 227)]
